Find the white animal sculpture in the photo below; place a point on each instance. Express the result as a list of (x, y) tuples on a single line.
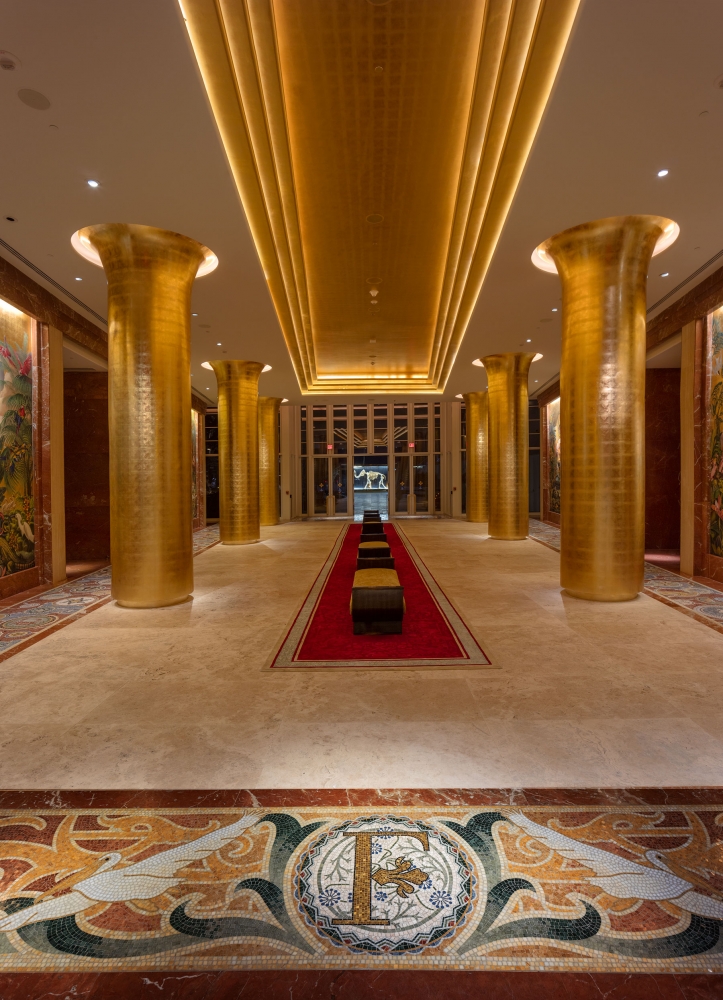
[(109, 884), (627, 879), (372, 476)]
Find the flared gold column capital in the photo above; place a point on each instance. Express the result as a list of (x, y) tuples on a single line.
[(477, 471), (606, 240), (508, 460), (238, 450), (505, 365), (232, 371), (115, 245), (603, 266)]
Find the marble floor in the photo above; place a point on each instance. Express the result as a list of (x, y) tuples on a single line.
[(585, 695)]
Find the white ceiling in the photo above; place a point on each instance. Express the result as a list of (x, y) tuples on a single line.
[(638, 91)]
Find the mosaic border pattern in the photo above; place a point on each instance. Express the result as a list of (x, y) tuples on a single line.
[(35, 618), (286, 655), (702, 603), (623, 888)]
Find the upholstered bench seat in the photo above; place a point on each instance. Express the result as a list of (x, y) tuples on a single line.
[(371, 528), (377, 602), (374, 555)]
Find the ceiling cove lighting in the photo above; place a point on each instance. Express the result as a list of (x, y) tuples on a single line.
[(536, 358), (266, 368), (478, 362), (542, 260), (207, 364), (83, 246), (509, 50)]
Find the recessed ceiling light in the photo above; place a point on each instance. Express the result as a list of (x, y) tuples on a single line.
[(284, 400), (478, 362), (529, 340), (662, 173), (194, 314), (218, 344), (208, 387), (554, 309), (78, 279), (665, 274), (537, 380), (459, 396), (92, 184), (266, 368), (206, 364)]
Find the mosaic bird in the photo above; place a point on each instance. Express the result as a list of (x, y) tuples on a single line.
[(627, 879), (108, 884)]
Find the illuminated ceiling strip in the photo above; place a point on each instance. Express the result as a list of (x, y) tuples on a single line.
[(520, 49)]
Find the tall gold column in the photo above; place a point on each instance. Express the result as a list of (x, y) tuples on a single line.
[(150, 273), (508, 452), (478, 485), (269, 459), (238, 450), (603, 267)]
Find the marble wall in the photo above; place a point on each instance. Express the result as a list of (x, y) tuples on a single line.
[(662, 458), (87, 488)]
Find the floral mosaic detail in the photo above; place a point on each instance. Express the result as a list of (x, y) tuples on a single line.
[(703, 603), (635, 888), (36, 617)]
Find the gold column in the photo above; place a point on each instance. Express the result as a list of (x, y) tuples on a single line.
[(150, 273), (478, 486), (508, 459), (238, 449), (603, 267), (269, 459)]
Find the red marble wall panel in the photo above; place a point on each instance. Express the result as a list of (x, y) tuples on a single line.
[(87, 486), (662, 458)]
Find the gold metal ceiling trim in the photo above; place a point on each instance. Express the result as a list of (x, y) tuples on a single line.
[(377, 138)]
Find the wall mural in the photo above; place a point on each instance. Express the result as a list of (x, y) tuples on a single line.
[(195, 462), (17, 507), (715, 418), (553, 454)]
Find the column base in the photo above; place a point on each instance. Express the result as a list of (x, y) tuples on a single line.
[(247, 541), (583, 596), (150, 607)]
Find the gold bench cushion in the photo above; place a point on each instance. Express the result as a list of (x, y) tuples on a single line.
[(374, 545), (376, 578)]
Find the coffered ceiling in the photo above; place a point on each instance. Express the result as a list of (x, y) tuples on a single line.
[(377, 146)]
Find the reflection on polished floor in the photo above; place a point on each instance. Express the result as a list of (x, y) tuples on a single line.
[(587, 695)]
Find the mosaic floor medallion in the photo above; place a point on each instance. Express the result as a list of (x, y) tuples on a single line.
[(411, 885), (587, 887)]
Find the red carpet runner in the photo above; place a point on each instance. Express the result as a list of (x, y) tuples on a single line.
[(433, 633)]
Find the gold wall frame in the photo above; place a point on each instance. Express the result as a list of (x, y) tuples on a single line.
[(376, 150)]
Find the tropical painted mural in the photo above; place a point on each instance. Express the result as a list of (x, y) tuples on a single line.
[(17, 508), (715, 424), (553, 454), (195, 494)]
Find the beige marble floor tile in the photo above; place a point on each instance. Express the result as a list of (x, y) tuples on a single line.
[(587, 693)]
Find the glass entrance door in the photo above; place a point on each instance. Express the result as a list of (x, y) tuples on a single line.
[(371, 484)]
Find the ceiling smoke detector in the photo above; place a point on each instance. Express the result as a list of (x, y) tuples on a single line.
[(8, 61)]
